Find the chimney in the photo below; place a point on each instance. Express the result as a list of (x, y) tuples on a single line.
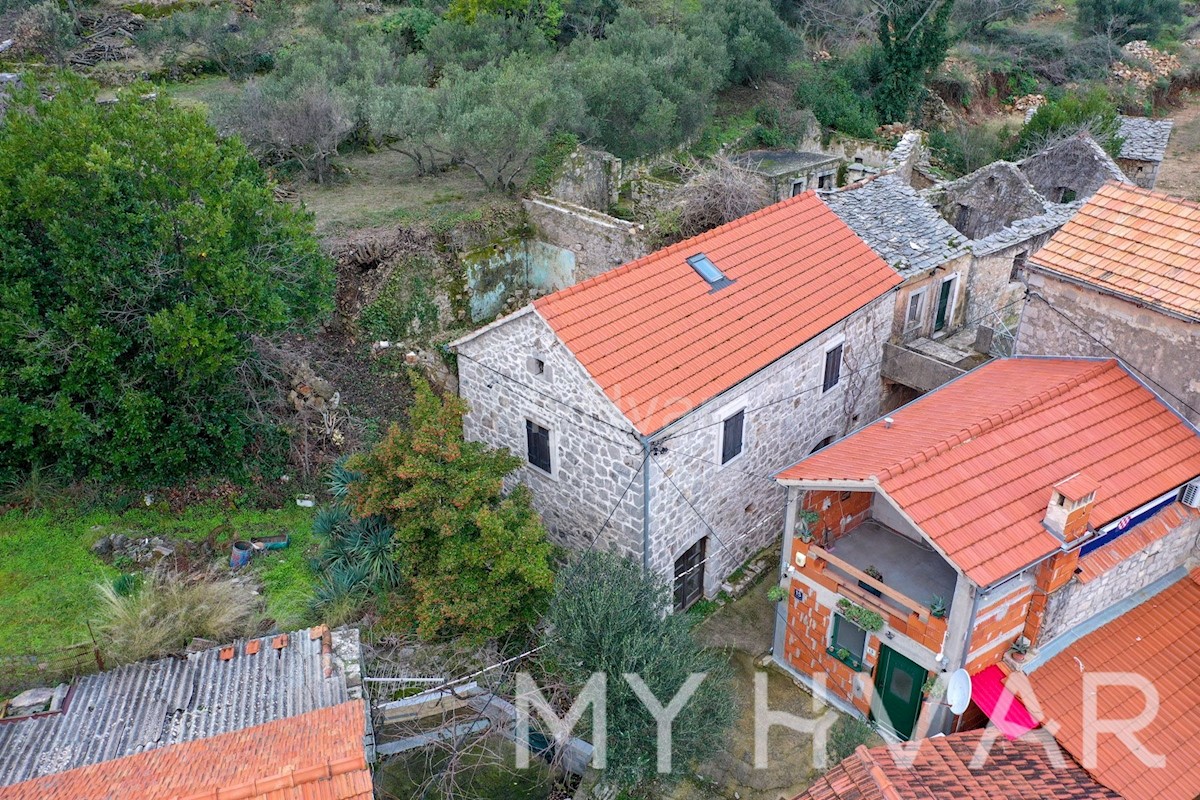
[(1071, 503)]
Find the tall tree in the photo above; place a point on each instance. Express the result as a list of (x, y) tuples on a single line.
[(139, 254), (474, 559), (607, 616), (914, 38), (1125, 20)]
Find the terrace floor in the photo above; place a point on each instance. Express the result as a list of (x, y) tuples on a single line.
[(912, 568)]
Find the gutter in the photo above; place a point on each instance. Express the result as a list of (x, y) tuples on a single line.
[(645, 440)]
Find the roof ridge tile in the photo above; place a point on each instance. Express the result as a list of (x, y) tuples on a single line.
[(994, 421)]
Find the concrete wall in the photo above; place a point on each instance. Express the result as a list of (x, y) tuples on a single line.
[(497, 272), (599, 242), (594, 460), (1077, 602), (1160, 346)]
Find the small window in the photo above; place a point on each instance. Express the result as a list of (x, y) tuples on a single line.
[(825, 181), (536, 365), (731, 436), (821, 445), (858, 160), (706, 269), (916, 309), (797, 188), (833, 367), (537, 440), (848, 637), (1018, 266), (1066, 195)]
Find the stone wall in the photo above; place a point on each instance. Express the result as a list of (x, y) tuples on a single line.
[(1078, 602), (588, 178), (599, 242), (788, 414), (513, 268), (1142, 173), (988, 200), (1161, 347), (596, 453)]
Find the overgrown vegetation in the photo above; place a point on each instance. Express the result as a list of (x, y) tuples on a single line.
[(606, 616), (423, 517), (166, 611), (140, 254)]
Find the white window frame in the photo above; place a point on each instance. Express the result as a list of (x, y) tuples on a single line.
[(920, 296), (722, 414), (951, 308), (832, 344), (551, 443), (802, 183)]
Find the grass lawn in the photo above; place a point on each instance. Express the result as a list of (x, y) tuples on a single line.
[(48, 572)]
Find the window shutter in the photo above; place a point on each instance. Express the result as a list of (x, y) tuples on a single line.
[(538, 442), (731, 437), (833, 367)]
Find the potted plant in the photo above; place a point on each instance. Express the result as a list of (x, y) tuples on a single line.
[(937, 606), (874, 572), (807, 519), (1019, 648), (776, 594)]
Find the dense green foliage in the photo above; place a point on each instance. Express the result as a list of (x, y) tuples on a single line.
[(606, 616), (1126, 20), (425, 516), (838, 103), (138, 256), (1094, 112), (913, 41)]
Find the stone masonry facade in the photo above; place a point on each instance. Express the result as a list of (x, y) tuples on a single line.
[(597, 456)]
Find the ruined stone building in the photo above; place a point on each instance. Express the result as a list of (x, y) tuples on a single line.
[(923, 351), (652, 403), (1143, 148), (791, 172), (1122, 279), (1012, 506)]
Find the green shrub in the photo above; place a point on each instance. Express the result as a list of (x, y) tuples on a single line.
[(757, 41), (846, 734), (1128, 19), (145, 294), (1094, 112), (168, 611), (835, 101)]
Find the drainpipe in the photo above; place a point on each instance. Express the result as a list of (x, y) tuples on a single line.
[(645, 504)]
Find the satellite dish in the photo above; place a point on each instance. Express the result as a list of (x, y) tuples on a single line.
[(958, 691)]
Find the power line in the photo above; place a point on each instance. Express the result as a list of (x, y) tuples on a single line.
[(821, 386), (1124, 360)]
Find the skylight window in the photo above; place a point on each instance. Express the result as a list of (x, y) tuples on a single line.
[(706, 269)]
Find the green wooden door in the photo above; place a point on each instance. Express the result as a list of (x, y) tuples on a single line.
[(898, 682), (943, 305)]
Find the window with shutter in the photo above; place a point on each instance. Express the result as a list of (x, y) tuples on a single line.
[(537, 441), (731, 437), (833, 367)]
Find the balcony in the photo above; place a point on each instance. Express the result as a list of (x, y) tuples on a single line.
[(914, 569), (925, 364)]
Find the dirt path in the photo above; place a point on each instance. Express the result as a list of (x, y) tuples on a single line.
[(1180, 172)]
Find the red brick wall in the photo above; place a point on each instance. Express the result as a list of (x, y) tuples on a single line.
[(838, 512), (996, 625)]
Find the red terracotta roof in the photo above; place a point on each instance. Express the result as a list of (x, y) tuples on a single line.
[(314, 756), (1141, 244), (1160, 641), (659, 342), (941, 770), (973, 462)]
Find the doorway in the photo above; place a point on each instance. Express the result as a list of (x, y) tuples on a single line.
[(689, 576), (945, 304), (898, 682)]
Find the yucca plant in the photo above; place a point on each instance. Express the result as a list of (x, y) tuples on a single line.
[(329, 519), (340, 478)]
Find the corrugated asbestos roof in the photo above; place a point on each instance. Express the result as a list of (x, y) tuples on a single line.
[(659, 342), (1145, 139), (900, 225), (942, 769), (158, 703), (1141, 244), (1159, 641), (314, 756), (973, 463)]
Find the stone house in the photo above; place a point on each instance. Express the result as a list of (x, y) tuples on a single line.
[(652, 403), (935, 261), (791, 172), (1013, 503), (1143, 147), (1071, 169), (1122, 278)]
